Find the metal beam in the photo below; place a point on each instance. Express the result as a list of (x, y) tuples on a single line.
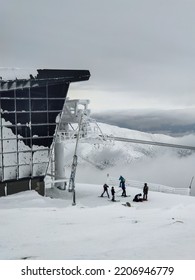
[(138, 141)]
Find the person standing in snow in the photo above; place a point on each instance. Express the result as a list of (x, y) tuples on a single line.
[(124, 190), (113, 193), (122, 180), (145, 192), (105, 186), (122, 184)]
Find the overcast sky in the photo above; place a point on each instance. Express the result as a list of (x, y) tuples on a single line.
[(141, 53)]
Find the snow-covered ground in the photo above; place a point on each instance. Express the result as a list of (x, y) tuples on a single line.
[(36, 227)]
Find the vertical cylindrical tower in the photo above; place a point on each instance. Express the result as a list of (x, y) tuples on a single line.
[(60, 164)]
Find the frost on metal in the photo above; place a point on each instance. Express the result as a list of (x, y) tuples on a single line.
[(30, 101)]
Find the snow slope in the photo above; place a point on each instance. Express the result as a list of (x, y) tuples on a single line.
[(108, 153), (162, 165), (35, 227)]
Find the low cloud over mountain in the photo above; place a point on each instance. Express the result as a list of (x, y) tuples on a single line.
[(171, 122), (155, 164)]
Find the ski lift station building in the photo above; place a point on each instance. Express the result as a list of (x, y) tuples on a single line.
[(30, 102)]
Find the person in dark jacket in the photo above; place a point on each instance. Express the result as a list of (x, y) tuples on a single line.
[(122, 185), (113, 193), (145, 192), (105, 186), (124, 189), (138, 198), (122, 180)]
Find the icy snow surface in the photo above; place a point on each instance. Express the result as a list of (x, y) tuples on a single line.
[(36, 227)]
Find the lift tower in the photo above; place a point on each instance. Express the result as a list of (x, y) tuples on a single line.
[(75, 112)]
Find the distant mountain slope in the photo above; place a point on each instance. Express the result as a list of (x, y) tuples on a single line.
[(105, 154)]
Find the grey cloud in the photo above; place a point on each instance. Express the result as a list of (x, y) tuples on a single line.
[(166, 169), (142, 48), (171, 122)]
